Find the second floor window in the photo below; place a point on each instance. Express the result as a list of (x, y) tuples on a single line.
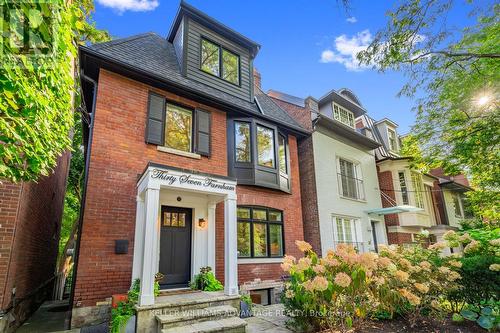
[(260, 232), (350, 185), (265, 146), (343, 115), (178, 128), (458, 205), (393, 145), (418, 189), (403, 187), (220, 62), (242, 141)]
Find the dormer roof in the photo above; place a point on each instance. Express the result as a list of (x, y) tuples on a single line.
[(343, 98), (186, 9)]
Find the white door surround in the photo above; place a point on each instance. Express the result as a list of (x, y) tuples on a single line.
[(162, 185)]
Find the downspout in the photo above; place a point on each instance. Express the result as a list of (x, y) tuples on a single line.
[(84, 194)]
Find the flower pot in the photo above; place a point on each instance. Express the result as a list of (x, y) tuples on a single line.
[(130, 327), (246, 310)]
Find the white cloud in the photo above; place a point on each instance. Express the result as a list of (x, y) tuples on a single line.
[(352, 19), (346, 50), (133, 5)]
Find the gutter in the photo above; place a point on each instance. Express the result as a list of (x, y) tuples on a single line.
[(84, 195)]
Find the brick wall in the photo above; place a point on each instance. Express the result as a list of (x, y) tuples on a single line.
[(386, 185), (30, 221), (118, 155), (398, 237), (307, 175)]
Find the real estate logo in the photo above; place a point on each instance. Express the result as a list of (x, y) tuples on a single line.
[(28, 30)]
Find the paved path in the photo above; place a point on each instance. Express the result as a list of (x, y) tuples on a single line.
[(269, 318)]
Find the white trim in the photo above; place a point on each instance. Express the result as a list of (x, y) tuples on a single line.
[(178, 152), (243, 261)]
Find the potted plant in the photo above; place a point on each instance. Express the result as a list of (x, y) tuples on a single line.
[(245, 306), (206, 281)]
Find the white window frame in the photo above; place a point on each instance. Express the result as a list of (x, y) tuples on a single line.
[(358, 176), (418, 191), (355, 230), (394, 148), (460, 205), (337, 115), (407, 190)]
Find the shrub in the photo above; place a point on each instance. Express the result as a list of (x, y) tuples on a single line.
[(345, 287), (206, 281)]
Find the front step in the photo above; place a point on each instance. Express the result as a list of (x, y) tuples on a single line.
[(226, 325), (190, 316)]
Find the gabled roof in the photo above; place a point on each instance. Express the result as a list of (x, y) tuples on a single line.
[(152, 56), (211, 23)]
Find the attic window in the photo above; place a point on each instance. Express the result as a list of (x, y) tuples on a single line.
[(343, 115), (220, 62)]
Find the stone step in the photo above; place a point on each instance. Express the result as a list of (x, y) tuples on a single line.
[(226, 325), (185, 317)]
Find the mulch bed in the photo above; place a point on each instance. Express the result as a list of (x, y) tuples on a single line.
[(429, 326)]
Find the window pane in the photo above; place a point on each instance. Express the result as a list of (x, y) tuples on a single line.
[(242, 141), (348, 179), (243, 213), (174, 219), (418, 189), (265, 146), (243, 239), (259, 214), (178, 128), (182, 219), (456, 204), (276, 239), (166, 219), (404, 189), (259, 240), (340, 229), (343, 115), (210, 57), (282, 153), (230, 67), (274, 215)]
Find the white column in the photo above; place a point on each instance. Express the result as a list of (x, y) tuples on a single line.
[(150, 257), (140, 216), (211, 235), (230, 247)]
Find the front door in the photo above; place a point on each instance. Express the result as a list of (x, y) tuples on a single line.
[(175, 246)]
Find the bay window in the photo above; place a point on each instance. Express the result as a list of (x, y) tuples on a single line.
[(418, 189), (242, 141), (403, 187), (260, 232), (265, 146)]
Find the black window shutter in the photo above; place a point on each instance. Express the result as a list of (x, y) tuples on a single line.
[(202, 126), (155, 128)]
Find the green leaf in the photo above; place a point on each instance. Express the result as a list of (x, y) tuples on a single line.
[(457, 318), (485, 322), (35, 18), (487, 311), (469, 315)]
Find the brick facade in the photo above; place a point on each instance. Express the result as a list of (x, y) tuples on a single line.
[(30, 222), (118, 155)]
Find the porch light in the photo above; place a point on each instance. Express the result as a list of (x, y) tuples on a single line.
[(202, 223)]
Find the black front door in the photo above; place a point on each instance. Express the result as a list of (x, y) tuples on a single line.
[(175, 246)]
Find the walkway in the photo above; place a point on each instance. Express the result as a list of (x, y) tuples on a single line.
[(269, 318)]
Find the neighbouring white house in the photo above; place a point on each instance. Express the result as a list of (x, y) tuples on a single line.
[(338, 174)]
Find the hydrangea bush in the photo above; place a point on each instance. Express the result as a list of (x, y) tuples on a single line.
[(345, 287)]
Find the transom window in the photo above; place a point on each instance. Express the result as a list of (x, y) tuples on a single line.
[(179, 128), (403, 186), (220, 62), (343, 115), (350, 186), (418, 189), (393, 145), (174, 219), (260, 232), (265, 146)]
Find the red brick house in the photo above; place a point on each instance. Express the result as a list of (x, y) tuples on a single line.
[(189, 165), (30, 223)]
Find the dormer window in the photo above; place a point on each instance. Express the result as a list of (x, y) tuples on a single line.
[(393, 143), (343, 115), (220, 62)]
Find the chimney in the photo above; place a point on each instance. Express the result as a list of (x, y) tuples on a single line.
[(256, 78), (311, 105)]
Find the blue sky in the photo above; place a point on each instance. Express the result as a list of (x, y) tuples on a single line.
[(307, 46)]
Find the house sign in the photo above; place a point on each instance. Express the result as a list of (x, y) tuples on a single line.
[(187, 179)]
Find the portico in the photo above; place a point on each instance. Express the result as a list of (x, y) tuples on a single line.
[(175, 228)]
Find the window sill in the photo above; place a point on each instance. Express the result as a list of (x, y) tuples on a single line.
[(178, 152), (353, 199), (243, 261)]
